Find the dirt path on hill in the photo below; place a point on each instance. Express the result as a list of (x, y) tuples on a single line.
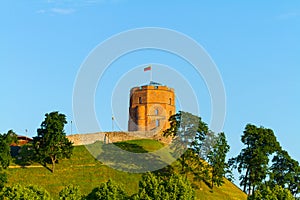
[(41, 166)]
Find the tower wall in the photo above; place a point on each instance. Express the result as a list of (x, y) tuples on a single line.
[(150, 107)]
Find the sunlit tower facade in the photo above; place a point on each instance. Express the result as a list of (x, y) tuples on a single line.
[(150, 107)]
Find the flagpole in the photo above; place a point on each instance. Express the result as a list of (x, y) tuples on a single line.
[(151, 73), (112, 122)]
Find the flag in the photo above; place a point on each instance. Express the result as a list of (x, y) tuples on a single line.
[(147, 68)]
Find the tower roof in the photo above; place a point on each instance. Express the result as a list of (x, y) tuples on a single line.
[(154, 83)]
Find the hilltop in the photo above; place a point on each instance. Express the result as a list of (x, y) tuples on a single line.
[(87, 172)]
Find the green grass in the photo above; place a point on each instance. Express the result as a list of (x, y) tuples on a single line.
[(87, 172), (226, 192), (140, 146)]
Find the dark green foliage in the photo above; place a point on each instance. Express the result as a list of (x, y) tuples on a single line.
[(285, 172), (5, 141), (150, 187), (264, 192), (108, 191), (188, 132), (200, 144), (207, 145), (51, 142), (18, 192), (70, 192), (178, 187), (216, 159), (188, 127), (26, 155), (175, 187), (5, 156), (3, 179), (253, 160)]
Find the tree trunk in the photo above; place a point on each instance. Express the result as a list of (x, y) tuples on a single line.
[(183, 164), (245, 181), (53, 159), (253, 188), (249, 189)]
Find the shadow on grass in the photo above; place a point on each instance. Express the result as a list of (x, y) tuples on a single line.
[(135, 148), (25, 156), (47, 162), (127, 157)]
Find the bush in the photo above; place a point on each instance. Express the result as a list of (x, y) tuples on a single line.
[(70, 192), (19, 192), (108, 191), (166, 188), (3, 180), (275, 193)]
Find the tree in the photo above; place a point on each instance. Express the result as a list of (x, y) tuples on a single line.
[(108, 191), (188, 131), (5, 141), (267, 193), (285, 172), (207, 145), (216, 159), (153, 187), (70, 192), (178, 187), (51, 141), (254, 158), (150, 187), (5, 156), (18, 192)]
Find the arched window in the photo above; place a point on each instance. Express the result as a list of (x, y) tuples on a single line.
[(140, 99), (157, 123), (156, 112)]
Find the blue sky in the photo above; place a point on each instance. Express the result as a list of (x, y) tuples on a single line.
[(255, 45)]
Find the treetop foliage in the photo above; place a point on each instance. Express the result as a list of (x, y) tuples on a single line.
[(70, 192), (18, 192), (5, 140), (274, 193), (258, 177), (108, 191), (51, 141), (175, 187)]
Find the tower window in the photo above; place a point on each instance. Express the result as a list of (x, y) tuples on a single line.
[(170, 101), (140, 99), (157, 123), (155, 87), (156, 111)]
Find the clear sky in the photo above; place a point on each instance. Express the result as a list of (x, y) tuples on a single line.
[(255, 45)]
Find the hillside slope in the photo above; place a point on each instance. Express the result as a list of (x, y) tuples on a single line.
[(87, 172)]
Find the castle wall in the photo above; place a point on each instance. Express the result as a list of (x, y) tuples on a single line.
[(110, 137)]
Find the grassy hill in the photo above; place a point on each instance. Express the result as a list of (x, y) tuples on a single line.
[(87, 172)]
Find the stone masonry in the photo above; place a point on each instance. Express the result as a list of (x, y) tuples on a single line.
[(111, 137)]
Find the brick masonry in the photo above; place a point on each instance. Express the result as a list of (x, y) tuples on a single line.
[(150, 107)]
